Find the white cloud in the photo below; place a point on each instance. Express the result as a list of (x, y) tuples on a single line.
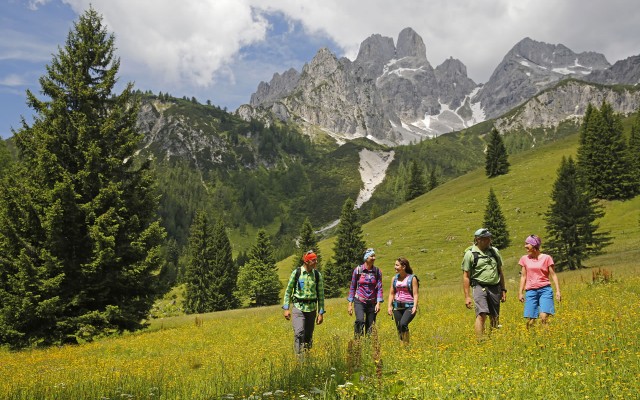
[(180, 43), (13, 80)]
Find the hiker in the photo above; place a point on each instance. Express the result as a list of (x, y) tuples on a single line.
[(305, 291), (537, 267), (403, 298), (366, 293), (482, 271)]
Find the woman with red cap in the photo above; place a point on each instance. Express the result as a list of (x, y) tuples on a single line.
[(537, 268), (305, 291)]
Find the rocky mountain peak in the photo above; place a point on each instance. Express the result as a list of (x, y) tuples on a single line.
[(410, 44), (530, 67), (626, 72), (376, 49)]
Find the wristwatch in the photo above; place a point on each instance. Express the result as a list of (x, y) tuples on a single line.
[(504, 290)]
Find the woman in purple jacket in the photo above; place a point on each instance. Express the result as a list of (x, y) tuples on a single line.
[(366, 293)]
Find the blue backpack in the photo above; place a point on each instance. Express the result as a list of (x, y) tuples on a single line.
[(409, 282)]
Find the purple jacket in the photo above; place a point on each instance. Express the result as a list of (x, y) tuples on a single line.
[(366, 285)]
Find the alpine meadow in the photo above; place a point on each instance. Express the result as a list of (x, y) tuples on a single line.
[(127, 272)]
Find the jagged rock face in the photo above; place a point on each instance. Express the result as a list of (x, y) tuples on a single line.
[(174, 135), (386, 94), (393, 95), (530, 67), (375, 52), (626, 72), (567, 101), (280, 85), (410, 44)]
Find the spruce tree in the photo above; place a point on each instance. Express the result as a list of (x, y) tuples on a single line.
[(348, 249), (496, 162), (570, 221), (416, 185), (79, 232), (496, 223), (198, 269), (433, 180), (258, 280), (603, 165), (224, 270), (633, 153), (308, 240)]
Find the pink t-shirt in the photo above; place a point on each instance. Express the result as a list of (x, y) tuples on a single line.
[(402, 290), (537, 270)]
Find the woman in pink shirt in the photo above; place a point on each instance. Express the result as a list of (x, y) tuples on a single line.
[(537, 268), (403, 298)]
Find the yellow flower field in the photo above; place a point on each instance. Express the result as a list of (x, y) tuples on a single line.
[(590, 350)]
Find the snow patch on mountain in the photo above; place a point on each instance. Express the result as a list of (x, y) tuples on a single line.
[(373, 168)]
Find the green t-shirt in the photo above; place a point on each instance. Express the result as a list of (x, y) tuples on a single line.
[(487, 271)]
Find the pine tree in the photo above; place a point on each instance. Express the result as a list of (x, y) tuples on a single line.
[(433, 180), (496, 162), (494, 221), (258, 281), (603, 165), (570, 221), (198, 270), (79, 234), (348, 249), (224, 270), (633, 151), (308, 241), (416, 185)]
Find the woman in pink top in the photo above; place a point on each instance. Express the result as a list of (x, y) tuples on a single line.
[(536, 270), (403, 298)]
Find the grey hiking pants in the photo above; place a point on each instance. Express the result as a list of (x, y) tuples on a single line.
[(303, 325)]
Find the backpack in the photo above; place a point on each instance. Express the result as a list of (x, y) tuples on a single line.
[(316, 277), (409, 282), (476, 256)]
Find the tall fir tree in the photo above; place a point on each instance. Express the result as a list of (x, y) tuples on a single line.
[(633, 152), (198, 268), (224, 270), (433, 180), (496, 159), (603, 165), (570, 221), (416, 185), (79, 232), (308, 240), (348, 250), (495, 221), (258, 281)]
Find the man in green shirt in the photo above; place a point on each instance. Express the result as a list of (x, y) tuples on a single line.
[(305, 291), (482, 271)]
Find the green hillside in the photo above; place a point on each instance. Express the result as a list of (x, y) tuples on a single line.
[(433, 230)]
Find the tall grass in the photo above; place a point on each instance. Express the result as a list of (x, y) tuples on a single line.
[(590, 349)]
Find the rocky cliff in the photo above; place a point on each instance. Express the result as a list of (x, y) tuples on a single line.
[(392, 94)]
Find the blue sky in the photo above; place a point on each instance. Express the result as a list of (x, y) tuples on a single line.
[(220, 50)]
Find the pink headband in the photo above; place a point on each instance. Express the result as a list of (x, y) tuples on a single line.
[(534, 241)]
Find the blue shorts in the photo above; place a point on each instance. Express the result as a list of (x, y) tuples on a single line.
[(537, 301)]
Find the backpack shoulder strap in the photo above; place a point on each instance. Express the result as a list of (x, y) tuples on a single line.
[(395, 280), (296, 278)]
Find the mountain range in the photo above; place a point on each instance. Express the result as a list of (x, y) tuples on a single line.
[(349, 129), (391, 93)]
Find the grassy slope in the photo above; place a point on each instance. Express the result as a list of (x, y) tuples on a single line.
[(433, 230)]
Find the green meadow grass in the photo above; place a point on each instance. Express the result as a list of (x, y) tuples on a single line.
[(590, 349)]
